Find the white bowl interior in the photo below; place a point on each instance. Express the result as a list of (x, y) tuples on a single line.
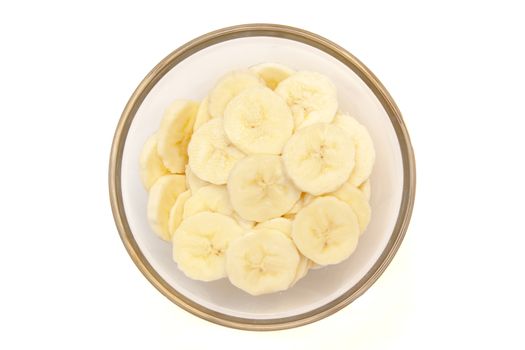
[(192, 79)]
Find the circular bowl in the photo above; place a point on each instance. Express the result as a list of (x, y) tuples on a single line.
[(190, 72)]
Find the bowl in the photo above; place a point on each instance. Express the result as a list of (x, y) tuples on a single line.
[(190, 72)]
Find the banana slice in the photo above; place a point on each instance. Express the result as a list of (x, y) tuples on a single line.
[(175, 215), (162, 196), (262, 262), (272, 73), (352, 196), (258, 121), (175, 132), (259, 189), (365, 188), (211, 198), (193, 182), (319, 158), (285, 226), (280, 224), (365, 154), (151, 166), (326, 231), (228, 87), (200, 244), (211, 155), (311, 96), (203, 116)]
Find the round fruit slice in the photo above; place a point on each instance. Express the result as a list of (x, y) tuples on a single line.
[(272, 73), (319, 158), (211, 198), (262, 262), (258, 121), (151, 166), (211, 155), (311, 96), (228, 87), (285, 226), (175, 132), (175, 216), (162, 197), (326, 231), (365, 154), (200, 244), (259, 189), (352, 196)]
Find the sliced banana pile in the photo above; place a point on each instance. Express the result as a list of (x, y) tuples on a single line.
[(261, 181)]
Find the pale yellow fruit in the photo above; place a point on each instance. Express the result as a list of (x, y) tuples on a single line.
[(365, 154), (162, 197), (175, 215), (211, 198), (262, 262), (311, 96), (319, 158), (357, 201), (175, 133), (211, 154), (151, 166), (326, 231), (228, 87), (257, 120), (259, 190), (285, 226), (200, 244)]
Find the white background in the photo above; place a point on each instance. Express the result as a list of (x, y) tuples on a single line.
[(456, 70)]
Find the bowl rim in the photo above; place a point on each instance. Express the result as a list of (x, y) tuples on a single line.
[(311, 39)]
